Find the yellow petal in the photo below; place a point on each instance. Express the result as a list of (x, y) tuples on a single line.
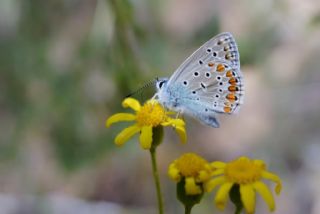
[(146, 137), (260, 163), (182, 134), (218, 165), (173, 172), (222, 195), (209, 186), (217, 172), (119, 117), (191, 187), (248, 198), (263, 190), (243, 158), (126, 134), (132, 103), (178, 122), (173, 122), (203, 176), (171, 112), (274, 178)]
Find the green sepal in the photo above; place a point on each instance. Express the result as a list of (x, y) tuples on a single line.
[(187, 200), (235, 197), (157, 137)]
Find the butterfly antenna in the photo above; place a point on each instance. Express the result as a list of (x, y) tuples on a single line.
[(148, 84)]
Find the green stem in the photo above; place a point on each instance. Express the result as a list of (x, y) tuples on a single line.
[(187, 209), (156, 179), (238, 210)]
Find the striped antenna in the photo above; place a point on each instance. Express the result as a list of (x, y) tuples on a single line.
[(139, 90)]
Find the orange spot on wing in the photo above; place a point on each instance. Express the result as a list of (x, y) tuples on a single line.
[(227, 109), (220, 68), (231, 97), (233, 81), (233, 88), (210, 64), (229, 73)]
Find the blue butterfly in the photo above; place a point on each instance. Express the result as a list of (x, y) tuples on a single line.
[(208, 83)]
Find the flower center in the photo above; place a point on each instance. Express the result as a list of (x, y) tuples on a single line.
[(151, 114), (190, 164), (243, 171)]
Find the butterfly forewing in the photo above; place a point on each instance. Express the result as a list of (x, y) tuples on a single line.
[(211, 76), (221, 47)]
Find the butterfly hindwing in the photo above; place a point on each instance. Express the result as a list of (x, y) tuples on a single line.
[(217, 87)]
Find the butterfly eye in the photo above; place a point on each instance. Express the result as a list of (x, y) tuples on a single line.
[(161, 84)]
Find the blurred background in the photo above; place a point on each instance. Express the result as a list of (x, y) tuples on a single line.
[(66, 65)]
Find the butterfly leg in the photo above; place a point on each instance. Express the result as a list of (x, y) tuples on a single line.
[(155, 96), (178, 114)]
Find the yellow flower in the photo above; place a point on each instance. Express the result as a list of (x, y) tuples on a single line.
[(194, 169), (147, 117), (248, 174)]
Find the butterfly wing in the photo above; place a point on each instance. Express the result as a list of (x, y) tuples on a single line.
[(221, 47), (211, 80)]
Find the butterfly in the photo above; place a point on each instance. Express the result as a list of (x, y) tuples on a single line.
[(207, 83)]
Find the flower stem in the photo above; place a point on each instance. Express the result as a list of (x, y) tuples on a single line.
[(238, 210), (187, 209), (156, 179)]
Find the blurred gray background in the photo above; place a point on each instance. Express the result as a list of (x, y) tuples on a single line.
[(66, 65)]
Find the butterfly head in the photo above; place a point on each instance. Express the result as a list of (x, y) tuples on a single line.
[(161, 83)]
